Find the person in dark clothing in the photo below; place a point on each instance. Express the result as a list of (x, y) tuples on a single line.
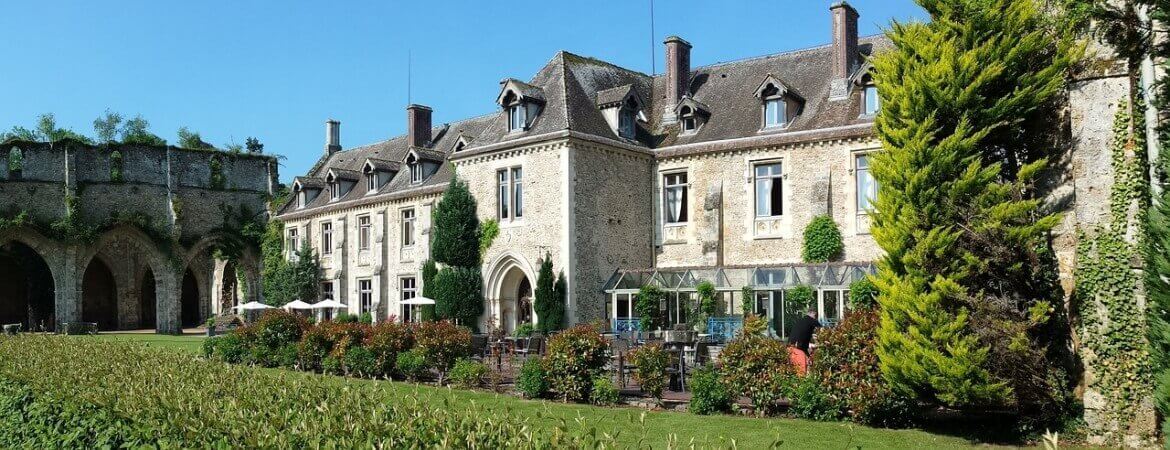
[(802, 332)]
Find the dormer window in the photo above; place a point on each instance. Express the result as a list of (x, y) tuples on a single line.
[(775, 113), (780, 105), (517, 117), (691, 115), (626, 124), (334, 190), (521, 102), (871, 103), (690, 123), (371, 182), (416, 175)]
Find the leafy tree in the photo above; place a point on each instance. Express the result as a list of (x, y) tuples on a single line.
[(648, 305), (455, 240), (19, 133), (285, 281), (253, 145), (191, 139), (968, 107), (560, 293), (137, 131), (106, 127)]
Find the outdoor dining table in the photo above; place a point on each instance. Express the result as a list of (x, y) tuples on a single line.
[(500, 348)]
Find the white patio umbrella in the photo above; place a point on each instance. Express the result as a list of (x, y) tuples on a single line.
[(418, 301), (326, 304), (252, 306), (297, 304)]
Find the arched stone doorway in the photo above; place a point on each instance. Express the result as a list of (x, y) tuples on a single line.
[(99, 296), (190, 301), (27, 291), (147, 301), (509, 293)]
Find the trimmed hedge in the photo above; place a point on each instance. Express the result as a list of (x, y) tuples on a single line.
[(58, 392)]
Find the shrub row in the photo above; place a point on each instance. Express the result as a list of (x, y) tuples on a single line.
[(59, 392), (387, 349)]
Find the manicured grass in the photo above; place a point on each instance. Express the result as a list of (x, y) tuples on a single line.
[(190, 343), (631, 424)]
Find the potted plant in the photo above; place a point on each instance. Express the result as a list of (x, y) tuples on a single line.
[(210, 326)]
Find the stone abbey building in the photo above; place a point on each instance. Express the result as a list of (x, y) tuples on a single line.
[(124, 236), (625, 179)]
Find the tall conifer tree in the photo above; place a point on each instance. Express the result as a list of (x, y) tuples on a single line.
[(455, 243), (967, 113)]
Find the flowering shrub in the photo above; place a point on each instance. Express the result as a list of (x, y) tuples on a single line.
[(443, 343), (758, 368), (575, 357), (846, 365), (650, 364), (344, 336), (532, 382), (708, 393), (385, 341)]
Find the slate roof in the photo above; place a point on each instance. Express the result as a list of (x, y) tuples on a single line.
[(572, 87), (383, 165)]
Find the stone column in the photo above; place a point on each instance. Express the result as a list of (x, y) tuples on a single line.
[(168, 289), (67, 286)]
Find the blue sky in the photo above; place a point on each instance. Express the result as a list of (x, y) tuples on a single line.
[(278, 69)]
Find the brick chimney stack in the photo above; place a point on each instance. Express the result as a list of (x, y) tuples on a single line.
[(332, 136), (418, 125), (678, 74), (845, 54)]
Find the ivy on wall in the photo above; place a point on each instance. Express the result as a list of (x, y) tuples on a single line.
[(15, 160), (822, 240), (116, 167), (217, 179), (1113, 330)]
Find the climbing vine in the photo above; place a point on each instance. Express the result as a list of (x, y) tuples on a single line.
[(822, 240), (116, 166), (488, 230), (217, 180), (15, 161), (1113, 328)]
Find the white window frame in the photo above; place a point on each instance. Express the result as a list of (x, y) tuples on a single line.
[(293, 240), (869, 92), (690, 124), (685, 206), (365, 295), (364, 231), (781, 110), (408, 313), (335, 191), (301, 196), (326, 238), (517, 117), (416, 172), (371, 182), (406, 226), (510, 193), (842, 304), (774, 178), (328, 294), (864, 203)]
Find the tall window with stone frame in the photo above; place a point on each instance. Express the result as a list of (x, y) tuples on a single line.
[(408, 221), (867, 186), (365, 296), (769, 181), (510, 193), (363, 232), (326, 238), (408, 286), (293, 243), (674, 198)]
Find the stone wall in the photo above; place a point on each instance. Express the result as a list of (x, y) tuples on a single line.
[(613, 222), (722, 228)]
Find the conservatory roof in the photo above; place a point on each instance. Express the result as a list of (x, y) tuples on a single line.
[(730, 278)]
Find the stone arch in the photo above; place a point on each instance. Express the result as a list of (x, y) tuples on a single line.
[(54, 258), (507, 275), (29, 290), (194, 299), (99, 294), (249, 263), (135, 252)]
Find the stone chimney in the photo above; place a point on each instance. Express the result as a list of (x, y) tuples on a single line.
[(845, 55), (332, 136), (418, 125), (678, 74)]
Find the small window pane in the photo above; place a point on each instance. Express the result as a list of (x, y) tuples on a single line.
[(502, 197), (769, 190), (872, 101), (518, 192)]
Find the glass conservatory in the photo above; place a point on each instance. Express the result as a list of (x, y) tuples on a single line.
[(758, 290)]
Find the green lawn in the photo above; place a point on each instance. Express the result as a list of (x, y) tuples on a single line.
[(633, 424)]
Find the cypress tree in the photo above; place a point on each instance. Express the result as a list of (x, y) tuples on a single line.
[(429, 270), (966, 122), (560, 293), (455, 240), (545, 296)]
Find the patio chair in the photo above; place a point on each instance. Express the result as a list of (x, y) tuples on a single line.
[(619, 360), (532, 346), (479, 345)]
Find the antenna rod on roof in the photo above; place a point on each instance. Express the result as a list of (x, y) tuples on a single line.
[(408, 58), (652, 44)]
